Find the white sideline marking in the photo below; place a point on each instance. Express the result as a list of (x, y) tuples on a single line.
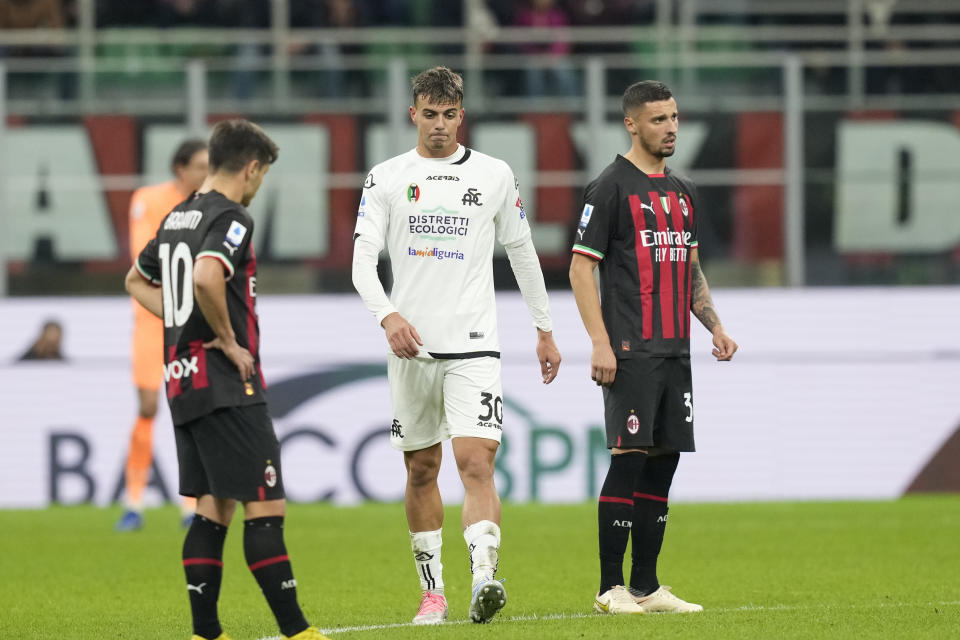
[(574, 616)]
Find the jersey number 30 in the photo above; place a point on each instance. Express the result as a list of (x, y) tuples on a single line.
[(176, 276)]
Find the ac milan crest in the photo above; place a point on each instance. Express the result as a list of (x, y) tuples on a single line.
[(270, 476)]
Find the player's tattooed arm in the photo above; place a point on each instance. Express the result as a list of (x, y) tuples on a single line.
[(701, 303)]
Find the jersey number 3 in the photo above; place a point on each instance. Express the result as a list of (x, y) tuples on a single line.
[(176, 277)]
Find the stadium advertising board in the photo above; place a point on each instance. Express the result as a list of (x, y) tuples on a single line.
[(889, 185), (832, 396)]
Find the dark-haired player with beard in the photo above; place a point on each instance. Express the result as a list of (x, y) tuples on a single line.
[(639, 225), (199, 275)]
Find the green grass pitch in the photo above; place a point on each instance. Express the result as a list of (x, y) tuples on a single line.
[(768, 570)]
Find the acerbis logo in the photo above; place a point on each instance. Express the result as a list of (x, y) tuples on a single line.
[(450, 178), (289, 584), (626, 524), (181, 368)]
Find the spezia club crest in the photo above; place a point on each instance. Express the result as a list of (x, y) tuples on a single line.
[(413, 193)]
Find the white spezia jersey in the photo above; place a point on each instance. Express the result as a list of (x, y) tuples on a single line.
[(438, 219)]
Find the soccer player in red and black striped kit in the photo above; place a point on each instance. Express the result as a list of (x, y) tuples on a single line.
[(639, 225), (199, 275)]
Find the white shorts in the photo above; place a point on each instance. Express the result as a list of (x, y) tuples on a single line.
[(434, 400)]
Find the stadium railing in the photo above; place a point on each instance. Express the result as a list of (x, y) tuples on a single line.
[(780, 201)]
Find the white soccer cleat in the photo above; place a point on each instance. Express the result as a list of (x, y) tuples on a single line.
[(616, 600), (662, 601), (433, 609), (488, 598)]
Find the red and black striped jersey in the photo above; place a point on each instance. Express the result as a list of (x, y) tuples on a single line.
[(642, 229), (199, 380)]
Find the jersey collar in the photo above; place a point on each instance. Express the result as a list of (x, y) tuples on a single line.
[(454, 158)]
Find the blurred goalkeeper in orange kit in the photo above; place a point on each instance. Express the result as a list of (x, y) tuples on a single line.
[(148, 207)]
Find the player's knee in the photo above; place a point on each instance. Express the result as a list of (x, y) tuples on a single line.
[(475, 469), (148, 407), (220, 510), (422, 471)]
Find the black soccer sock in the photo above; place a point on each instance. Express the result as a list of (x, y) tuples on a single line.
[(203, 564), (268, 560), (650, 521), (614, 515)]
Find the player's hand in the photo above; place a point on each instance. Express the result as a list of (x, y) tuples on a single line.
[(603, 364), (548, 355), (724, 346), (237, 355), (402, 336)]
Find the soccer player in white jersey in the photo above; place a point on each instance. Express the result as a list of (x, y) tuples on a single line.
[(438, 209)]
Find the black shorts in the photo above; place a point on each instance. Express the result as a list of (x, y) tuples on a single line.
[(230, 453), (650, 404)]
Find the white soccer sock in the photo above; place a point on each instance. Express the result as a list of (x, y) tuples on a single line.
[(426, 553), (483, 543)]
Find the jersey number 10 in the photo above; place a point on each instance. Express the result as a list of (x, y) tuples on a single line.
[(176, 277)]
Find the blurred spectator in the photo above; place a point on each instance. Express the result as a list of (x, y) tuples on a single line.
[(556, 75), (503, 10), (336, 80), (47, 346), (31, 14), (192, 13), (246, 14), (37, 14), (160, 13), (414, 13), (612, 12)]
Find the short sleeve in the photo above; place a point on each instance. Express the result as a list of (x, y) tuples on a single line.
[(691, 206), (227, 240), (511, 218), (374, 212), (148, 262), (597, 220)]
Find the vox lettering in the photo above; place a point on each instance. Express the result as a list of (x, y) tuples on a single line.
[(181, 368)]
